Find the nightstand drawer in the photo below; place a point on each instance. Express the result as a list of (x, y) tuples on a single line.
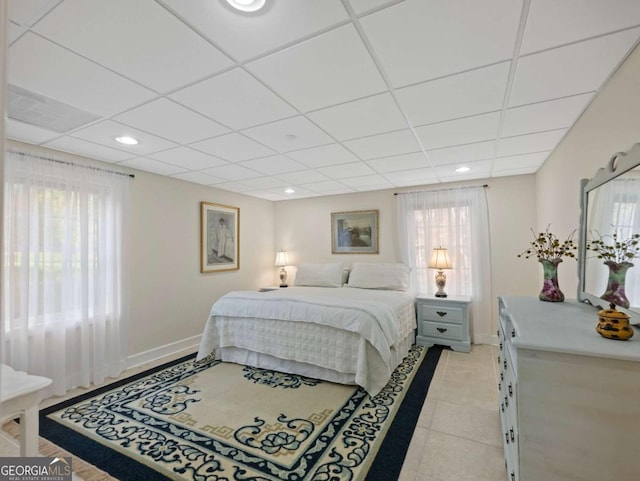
[(442, 330), (441, 314)]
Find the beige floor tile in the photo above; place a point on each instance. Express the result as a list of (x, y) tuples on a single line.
[(450, 458), (468, 422), (478, 395)]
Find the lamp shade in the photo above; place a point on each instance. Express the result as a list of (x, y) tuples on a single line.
[(440, 259), (281, 259)]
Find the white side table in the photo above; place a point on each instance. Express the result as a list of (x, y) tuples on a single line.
[(19, 397), (443, 320)]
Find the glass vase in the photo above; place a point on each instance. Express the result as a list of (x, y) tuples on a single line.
[(550, 289), (615, 283)]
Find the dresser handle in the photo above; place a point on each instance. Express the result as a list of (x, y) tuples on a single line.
[(441, 313), (510, 390), (502, 406), (513, 476), (513, 333), (512, 435), (499, 386), (506, 437), (442, 329), (502, 376)]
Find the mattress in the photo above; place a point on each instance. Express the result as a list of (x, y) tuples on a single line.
[(346, 335)]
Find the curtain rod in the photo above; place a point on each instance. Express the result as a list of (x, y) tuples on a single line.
[(66, 162), (440, 190)]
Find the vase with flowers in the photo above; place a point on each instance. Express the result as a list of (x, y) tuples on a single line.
[(549, 250), (617, 253)]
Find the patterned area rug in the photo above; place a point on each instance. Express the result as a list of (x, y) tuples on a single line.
[(216, 421)]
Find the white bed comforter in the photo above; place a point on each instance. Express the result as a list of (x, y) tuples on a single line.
[(365, 325)]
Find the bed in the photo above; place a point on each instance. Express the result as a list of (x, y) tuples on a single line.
[(353, 333)]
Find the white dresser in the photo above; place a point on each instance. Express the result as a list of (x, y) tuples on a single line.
[(569, 399), (443, 320)]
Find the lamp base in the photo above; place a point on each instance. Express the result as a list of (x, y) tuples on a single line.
[(441, 280), (283, 277)]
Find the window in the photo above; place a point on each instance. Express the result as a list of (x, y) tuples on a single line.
[(64, 312)]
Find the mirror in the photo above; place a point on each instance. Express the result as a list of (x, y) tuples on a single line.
[(610, 204)]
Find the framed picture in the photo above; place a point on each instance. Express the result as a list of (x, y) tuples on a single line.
[(354, 232), (219, 237)]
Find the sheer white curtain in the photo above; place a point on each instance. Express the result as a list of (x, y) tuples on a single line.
[(613, 207), (65, 311), (457, 219)]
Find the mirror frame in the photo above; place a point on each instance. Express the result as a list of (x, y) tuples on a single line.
[(620, 163)]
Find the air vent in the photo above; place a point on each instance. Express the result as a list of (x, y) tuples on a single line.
[(35, 109)]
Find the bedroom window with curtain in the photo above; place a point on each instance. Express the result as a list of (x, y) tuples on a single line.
[(457, 219), (65, 311)]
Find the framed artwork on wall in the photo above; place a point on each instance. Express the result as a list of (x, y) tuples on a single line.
[(354, 232), (219, 237)]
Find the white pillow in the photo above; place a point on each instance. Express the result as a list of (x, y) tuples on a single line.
[(319, 275), (379, 276)]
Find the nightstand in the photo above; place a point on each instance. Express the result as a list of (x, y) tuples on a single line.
[(443, 320), (269, 288)]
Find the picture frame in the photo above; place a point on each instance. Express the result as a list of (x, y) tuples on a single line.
[(219, 237), (354, 232)]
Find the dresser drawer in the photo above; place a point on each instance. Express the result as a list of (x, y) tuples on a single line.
[(442, 330), (441, 313)]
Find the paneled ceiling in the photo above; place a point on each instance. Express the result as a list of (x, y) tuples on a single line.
[(319, 96)]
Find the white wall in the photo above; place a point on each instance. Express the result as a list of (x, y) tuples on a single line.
[(170, 299), (303, 228), (610, 124)]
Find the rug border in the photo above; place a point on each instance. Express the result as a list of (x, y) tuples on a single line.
[(385, 466), (119, 465), (389, 458)]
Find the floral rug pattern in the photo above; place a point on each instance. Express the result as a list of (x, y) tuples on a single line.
[(214, 421)]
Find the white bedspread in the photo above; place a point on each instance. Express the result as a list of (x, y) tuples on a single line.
[(346, 330)]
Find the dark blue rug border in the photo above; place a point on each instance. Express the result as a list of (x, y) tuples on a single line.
[(388, 462), (116, 464), (386, 465)]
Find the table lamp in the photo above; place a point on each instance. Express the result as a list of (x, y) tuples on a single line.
[(440, 261), (282, 261)]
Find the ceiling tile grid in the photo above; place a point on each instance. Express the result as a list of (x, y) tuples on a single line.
[(315, 98)]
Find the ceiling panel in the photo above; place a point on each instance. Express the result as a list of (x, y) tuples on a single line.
[(276, 164), (461, 131), (551, 23), (172, 121), (570, 70), (188, 158), (40, 66), (417, 40), (323, 155), (290, 134), (105, 133), (551, 115), (233, 147), (368, 116), (236, 99), (322, 96), (469, 93), (328, 69), (140, 40), (384, 145), (249, 35)]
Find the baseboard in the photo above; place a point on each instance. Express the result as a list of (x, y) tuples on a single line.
[(189, 344)]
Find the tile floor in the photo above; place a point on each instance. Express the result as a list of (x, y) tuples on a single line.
[(458, 436)]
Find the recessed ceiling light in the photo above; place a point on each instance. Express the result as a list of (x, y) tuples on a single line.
[(247, 5), (289, 191), (125, 139), (463, 169)]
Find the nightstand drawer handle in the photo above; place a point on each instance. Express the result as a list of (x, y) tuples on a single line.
[(442, 329), (441, 313)]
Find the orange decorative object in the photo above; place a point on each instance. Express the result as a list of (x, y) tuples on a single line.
[(614, 324)]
